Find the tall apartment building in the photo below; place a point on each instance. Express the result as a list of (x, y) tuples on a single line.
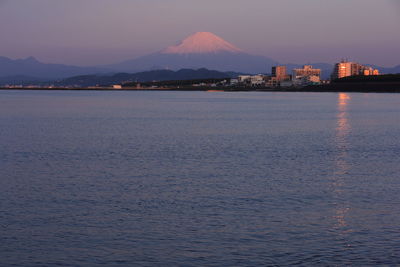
[(345, 69), (342, 69), (279, 72), (278, 75)]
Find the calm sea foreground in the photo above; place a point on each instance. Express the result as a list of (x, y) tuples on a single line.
[(199, 179)]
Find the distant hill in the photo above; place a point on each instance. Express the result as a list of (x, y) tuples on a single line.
[(20, 80), (147, 76), (33, 68)]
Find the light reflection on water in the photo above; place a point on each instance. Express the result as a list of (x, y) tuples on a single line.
[(343, 129), (342, 167)]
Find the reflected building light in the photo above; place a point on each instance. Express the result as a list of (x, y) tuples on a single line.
[(343, 101), (342, 126), (342, 167)]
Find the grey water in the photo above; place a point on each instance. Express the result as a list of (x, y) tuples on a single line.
[(91, 178)]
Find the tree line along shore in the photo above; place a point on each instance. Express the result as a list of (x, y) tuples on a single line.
[(389, 83)]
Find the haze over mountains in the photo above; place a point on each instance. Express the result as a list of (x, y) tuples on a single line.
[(200, 50), (32, 68)]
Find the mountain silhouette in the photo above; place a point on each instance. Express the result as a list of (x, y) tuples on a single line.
[(33, 68)]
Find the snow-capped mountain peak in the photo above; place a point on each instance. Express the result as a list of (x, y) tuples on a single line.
[(202, 42)]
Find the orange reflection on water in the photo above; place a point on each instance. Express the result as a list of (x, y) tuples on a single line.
[(342, 167), (343, 129), (343, 125), (344, 99)]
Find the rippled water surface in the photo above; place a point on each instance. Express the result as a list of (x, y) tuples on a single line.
[(199, 179)]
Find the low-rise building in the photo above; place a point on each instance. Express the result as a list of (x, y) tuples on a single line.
[(257, 80), (370, 71), (306, 71), (306, 76), (250, 80), (272, 82), (234, 81)]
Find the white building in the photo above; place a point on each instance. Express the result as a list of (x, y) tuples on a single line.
[(234, 81), (251, 80), (257, 80)]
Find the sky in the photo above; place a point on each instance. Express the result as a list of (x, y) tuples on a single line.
[(92, 32)]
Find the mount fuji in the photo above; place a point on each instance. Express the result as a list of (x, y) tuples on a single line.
[(200, 50)]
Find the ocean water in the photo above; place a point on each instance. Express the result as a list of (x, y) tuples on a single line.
[(199, 179)]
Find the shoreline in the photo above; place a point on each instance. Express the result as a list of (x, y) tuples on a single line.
[(310, 89)]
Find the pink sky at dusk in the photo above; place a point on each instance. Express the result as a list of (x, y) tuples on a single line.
[(89, 32)]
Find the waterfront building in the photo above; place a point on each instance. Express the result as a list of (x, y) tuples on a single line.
[(306, 71), (278, 75), (272, 82), (257, 80), (234, 81), (251, 80), (370, 71), (345, 69), (307, 75), (341, 70), (244, 78), (279, 72), (357, 69)]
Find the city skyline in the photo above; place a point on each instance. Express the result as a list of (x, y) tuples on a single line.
[(102, 32)]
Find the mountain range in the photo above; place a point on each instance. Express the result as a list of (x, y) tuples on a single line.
[(146, 76), (200, 50), (34, 69)]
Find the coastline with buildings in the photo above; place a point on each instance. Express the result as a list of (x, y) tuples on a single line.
[(280, 78), (346, 77), (390, 84)]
